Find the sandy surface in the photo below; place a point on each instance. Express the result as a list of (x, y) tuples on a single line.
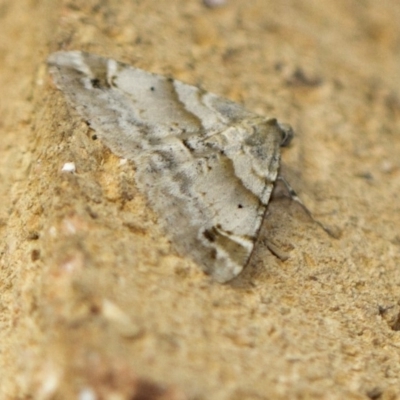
[(95, 303)]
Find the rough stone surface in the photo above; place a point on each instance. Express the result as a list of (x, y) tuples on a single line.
[(93, 300)]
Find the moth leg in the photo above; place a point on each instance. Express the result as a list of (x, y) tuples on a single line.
[(276, 251)]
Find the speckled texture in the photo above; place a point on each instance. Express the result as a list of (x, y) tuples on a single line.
[(91, 290)]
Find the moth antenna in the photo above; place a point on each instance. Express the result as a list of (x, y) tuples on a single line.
[(293, 195)]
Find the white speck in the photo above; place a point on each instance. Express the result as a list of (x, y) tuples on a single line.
[(87, 394), (53, 231), (387, 166), (122, 322), (50, 383), (69, 167)]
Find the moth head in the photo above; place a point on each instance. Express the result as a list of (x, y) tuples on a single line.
[(287, 134)]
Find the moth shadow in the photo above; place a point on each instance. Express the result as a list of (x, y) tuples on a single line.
[(287, 223)]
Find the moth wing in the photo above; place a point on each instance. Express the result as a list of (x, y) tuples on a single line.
[(206, 165), (137, 98)]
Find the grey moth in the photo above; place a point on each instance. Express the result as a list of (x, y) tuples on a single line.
[(205, 165)]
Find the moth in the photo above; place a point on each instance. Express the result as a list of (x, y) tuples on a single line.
[(206, 165)]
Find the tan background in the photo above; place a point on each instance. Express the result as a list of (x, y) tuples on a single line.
[(94, 301)]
